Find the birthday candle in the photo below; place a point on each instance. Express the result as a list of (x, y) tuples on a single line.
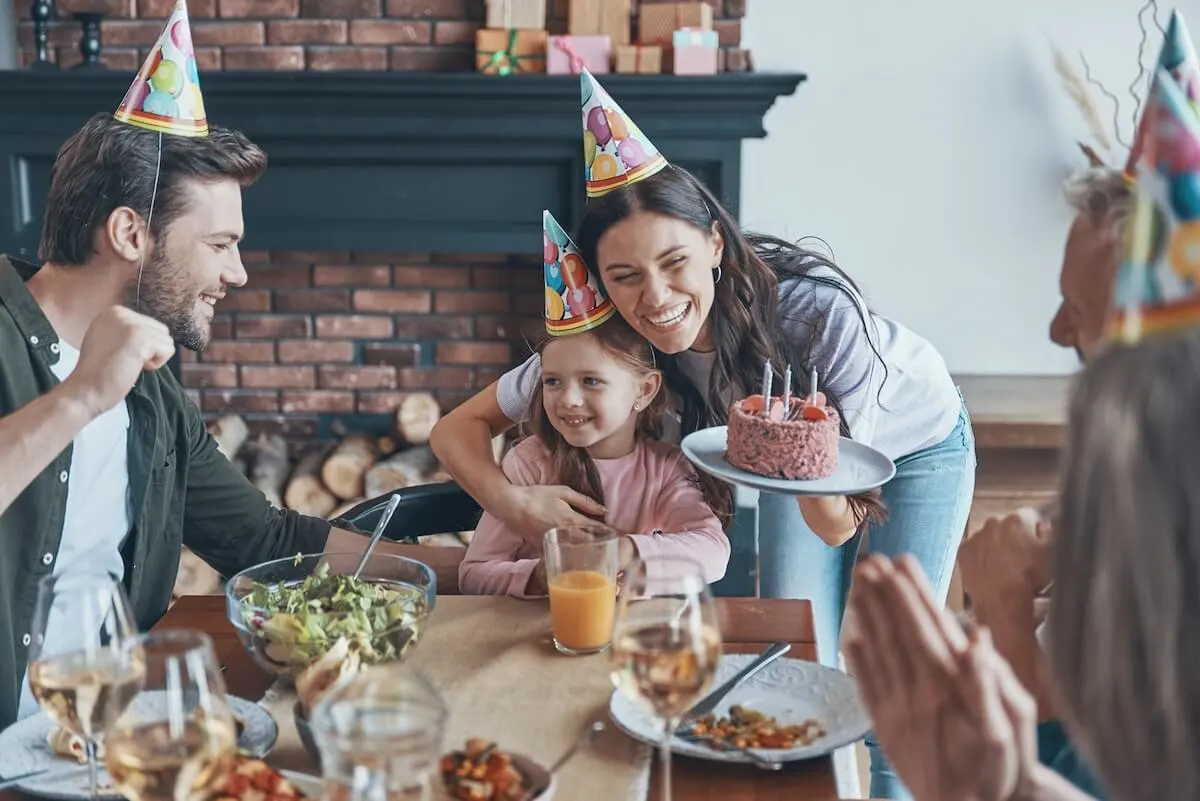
[(766, 388), (787, 390)]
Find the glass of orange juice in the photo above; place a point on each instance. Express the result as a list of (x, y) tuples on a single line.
[(581, 573)]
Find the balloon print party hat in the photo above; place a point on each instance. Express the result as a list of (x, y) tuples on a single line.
[(575, 299), (615, 151), (1158, 281), (165, 95), (1177, 58)]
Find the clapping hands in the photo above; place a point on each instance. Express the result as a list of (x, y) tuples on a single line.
[(948, 711)]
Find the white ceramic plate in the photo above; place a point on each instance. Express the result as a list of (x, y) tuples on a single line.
[(860, 467), (23, 749), (790, 690)]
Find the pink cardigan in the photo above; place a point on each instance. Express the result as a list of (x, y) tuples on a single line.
[(650, 494)]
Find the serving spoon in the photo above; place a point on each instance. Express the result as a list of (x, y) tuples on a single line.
[(380, 527)]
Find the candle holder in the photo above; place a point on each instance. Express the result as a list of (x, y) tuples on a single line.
[(41, 12), (89, 42)]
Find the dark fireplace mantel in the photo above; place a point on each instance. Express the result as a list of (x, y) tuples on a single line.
[(403, 162)]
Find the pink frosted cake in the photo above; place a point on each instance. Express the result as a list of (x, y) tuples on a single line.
[(799, 443)]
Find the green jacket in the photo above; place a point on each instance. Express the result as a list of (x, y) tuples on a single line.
[(183, 491)]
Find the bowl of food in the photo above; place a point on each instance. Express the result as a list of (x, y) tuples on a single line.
[(482, 771), (291, 612)]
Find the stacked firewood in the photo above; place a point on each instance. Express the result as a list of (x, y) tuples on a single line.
[(332, 479)]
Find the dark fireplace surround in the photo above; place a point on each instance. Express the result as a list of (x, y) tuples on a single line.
[(402, 163)]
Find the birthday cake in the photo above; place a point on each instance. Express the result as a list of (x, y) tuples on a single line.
[(796, 439)]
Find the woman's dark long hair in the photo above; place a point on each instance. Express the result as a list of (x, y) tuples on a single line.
[(570, 465), (745, 321)]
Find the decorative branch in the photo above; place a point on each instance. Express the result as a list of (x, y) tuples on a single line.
[(1077, 89)]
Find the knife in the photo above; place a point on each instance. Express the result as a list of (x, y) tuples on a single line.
[(707, 704)]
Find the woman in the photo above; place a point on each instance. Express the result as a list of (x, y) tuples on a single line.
[(716, 303)]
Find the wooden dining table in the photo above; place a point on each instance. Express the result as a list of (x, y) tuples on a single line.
[(748, 625)]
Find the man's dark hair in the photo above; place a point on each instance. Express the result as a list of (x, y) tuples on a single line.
[(107, 164)]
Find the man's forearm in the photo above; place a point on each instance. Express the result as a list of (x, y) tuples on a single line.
[(1046, 785), (444, 561), (34, 435)]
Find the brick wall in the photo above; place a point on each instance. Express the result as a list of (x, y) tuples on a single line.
[(318, 337), (421, 35)]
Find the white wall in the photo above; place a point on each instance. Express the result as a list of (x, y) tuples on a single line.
[(928, 147)]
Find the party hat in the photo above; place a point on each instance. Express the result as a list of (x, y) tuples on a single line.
[(615, 151), (575, 299), (165, 95), (1178, 58), (1158, 281)]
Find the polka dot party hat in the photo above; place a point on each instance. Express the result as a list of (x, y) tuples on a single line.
[(1178, 58), (165, 95), (575, 299), (1157, 286), (615, 151)]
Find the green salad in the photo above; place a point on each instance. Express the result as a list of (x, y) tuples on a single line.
[(295, 623)]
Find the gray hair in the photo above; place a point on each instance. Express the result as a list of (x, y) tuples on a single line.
[(1103, 195), (1124, 627)]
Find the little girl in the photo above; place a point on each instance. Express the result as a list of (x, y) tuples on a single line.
[(594, 422)]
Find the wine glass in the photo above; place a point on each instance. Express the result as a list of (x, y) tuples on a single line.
[(666, 642), (176, 741), (81, 670)]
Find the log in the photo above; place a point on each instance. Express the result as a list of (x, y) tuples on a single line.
[(386, 446), (416, 416), (408, 467), (345, 468), (305, 492), (344, 507), (230, 432), (195, 577), (270, 467)]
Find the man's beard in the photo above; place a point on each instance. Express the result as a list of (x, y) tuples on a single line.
[(164, 294)]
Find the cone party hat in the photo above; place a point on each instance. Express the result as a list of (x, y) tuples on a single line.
[(575, 298), (1157, 286), (1178, 59), (615, 151), (165, 95)]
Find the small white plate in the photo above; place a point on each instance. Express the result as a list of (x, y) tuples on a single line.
[(23, 749), (860, 467), (313, 787), (790, 690)]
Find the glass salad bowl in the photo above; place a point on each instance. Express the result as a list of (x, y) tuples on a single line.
[(289, 613)]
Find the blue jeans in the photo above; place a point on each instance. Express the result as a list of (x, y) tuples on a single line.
[(928, 502)]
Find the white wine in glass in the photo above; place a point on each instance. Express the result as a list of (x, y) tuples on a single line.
[(82, 670), (666, 643), (176, 741)]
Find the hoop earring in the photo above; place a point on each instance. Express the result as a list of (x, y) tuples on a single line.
[(717, 274)]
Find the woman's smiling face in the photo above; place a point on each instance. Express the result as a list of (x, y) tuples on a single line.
[(658, 271)]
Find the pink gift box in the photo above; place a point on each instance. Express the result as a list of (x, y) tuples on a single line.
[(695, 52), (566, 55)]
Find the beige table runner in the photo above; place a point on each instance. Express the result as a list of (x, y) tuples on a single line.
[(493, 660)]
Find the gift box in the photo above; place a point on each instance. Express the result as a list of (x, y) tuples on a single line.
[(694, 52), (523, 14), (637, 59), (600, 18), (507, 52), (657, 22), (570, 55)]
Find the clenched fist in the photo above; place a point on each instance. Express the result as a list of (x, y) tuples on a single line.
[(119, 345)]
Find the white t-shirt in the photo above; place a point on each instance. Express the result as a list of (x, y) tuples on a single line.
[(913, 406), (97, 514)]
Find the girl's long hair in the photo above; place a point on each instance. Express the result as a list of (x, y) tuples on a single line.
[(571, 466), (1123, 632), (745, 323)]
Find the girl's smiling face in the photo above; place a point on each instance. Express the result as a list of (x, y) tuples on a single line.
[(591, 397)]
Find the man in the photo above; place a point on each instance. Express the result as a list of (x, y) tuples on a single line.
[(106, 463), (1006, 563)]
